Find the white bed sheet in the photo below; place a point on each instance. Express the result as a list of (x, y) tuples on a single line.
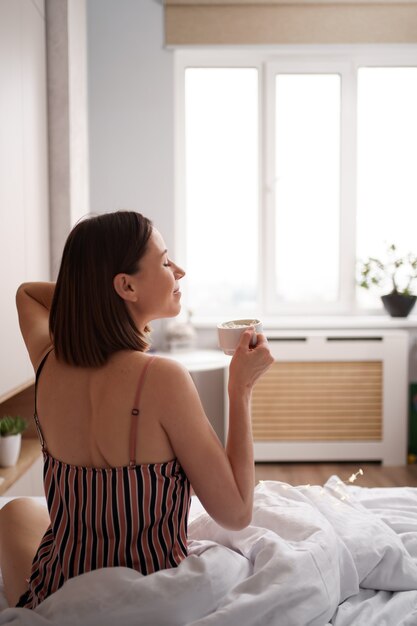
[(340, 555)]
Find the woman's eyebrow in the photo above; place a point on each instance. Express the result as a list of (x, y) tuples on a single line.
[(164, 252)]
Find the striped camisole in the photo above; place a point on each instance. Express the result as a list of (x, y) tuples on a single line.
[(134, 516)]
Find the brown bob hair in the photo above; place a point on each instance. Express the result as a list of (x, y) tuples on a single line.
[(88, 320)]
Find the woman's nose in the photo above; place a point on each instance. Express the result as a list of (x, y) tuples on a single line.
[(179, 272)]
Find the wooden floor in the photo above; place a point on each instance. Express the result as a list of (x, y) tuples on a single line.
[(374, 474)]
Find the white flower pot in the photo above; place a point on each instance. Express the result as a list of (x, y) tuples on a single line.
[(10, 449)]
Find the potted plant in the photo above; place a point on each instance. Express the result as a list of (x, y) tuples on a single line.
[(396, 274), (11, 429)]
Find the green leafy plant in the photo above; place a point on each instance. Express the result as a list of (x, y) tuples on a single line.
[(12, 425), (396, 274)]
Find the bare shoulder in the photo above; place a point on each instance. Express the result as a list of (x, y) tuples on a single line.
[(173, 387), (162, 376), (165, 385), (170, 373), (134, 362)]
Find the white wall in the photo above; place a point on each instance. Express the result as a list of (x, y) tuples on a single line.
[(24, 211), (131, 113)]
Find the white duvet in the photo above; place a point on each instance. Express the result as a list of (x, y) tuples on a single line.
[(341, 555)]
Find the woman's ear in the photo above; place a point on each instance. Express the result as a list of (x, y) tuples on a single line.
[(125, 287)]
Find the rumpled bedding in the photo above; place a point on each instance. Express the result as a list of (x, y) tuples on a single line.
[(313, 555)]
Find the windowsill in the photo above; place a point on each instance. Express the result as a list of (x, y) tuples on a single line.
[(308, 322)]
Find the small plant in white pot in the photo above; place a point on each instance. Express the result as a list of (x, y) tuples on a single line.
[(11, 429)]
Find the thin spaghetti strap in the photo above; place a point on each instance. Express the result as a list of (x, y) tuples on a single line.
[(135, 412), (35, 414)]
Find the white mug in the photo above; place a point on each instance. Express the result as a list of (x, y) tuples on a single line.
[(229, 333)]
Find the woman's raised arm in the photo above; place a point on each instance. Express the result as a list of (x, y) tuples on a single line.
[(33, 301), (222, 478)]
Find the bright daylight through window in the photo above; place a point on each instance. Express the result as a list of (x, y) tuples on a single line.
[(221, 147), (387, 162), (293, 170), (307, 187)]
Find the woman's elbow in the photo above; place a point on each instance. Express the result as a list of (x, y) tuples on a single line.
[(244, 520), (21, 293), (20, 290), (237, 519)]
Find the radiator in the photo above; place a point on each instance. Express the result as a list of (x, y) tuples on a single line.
[(333, 396)]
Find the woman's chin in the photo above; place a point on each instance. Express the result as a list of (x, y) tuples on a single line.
[(173, 311)]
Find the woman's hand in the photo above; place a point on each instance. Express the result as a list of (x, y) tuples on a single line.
[(249, 362)]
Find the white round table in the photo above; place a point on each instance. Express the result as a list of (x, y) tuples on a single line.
[(199, 360)]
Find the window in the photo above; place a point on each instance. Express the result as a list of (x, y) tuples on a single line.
[(292, 167), (387, 160), (221, 187), (307, 187)]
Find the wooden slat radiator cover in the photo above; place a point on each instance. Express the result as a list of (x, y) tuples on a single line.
[(333, 396), (319, 400)]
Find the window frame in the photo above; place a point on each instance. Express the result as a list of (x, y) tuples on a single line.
[(305, 66), (344, 60)]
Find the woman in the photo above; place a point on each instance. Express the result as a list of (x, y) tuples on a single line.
[(123, 433)]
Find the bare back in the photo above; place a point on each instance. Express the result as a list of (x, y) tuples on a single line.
[(85, 413)]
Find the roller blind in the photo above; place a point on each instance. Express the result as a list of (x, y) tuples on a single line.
[(263, 22)]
